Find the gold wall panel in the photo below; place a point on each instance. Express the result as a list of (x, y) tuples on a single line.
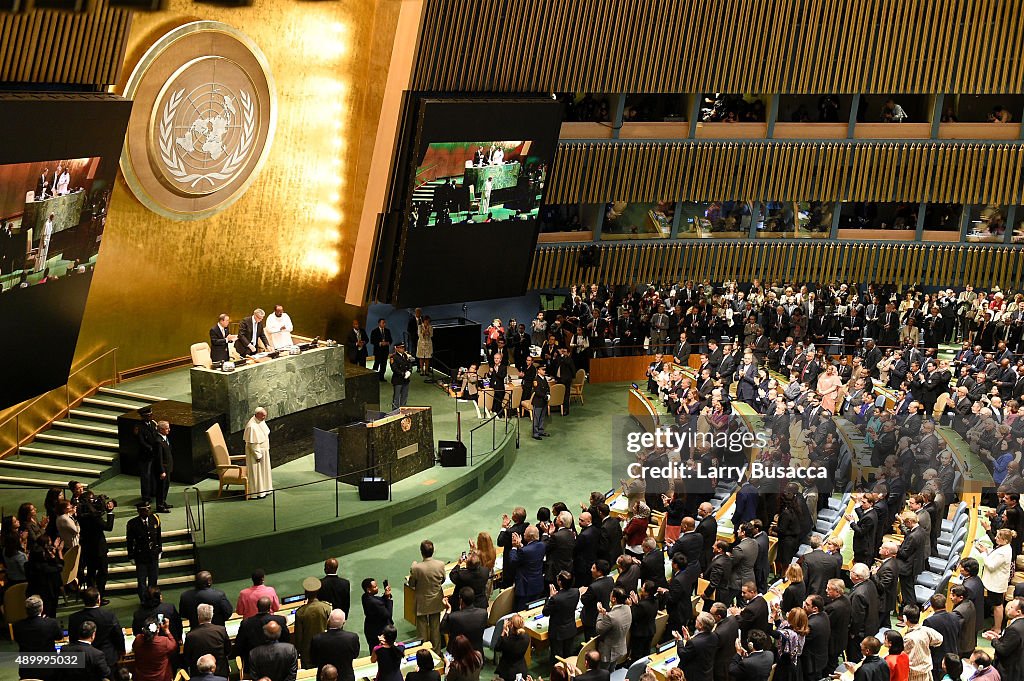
[(49, 46), (659, 46), (595, 172), (159, 284), (900, 264)]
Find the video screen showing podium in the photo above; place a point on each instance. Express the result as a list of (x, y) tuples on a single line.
[(389, 445)]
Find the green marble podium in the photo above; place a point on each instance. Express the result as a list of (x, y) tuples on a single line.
[(67, 213), (504, 176), (282, 386)]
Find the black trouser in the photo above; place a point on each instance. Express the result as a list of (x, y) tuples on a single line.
[(907, 591), (563, 648), (853, 653), (639, 646), (146, 575), (160, 488), (146, 478), (380, 364), (95, 570)]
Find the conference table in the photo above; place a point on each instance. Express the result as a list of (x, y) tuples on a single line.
[(66, 210), (502, 176)]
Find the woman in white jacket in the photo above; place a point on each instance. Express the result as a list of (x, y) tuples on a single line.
[(996, 577)]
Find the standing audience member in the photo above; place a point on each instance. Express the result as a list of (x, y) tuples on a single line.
[(310, 619), (426, 578), (335, 647), (154, 652), (207, 639)]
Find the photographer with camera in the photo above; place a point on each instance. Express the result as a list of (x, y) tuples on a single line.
[(96, 518)]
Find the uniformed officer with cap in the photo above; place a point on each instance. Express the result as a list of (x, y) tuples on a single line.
[(401, 371), (148, 438), (145, 544), (310, 619)]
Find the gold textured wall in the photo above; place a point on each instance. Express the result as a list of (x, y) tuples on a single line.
[(160, 284)]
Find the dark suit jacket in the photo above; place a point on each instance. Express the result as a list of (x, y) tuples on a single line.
[(815, 654), (208, 677), (193, 598), (968, 628), (949, 625), (644, 614), (719, 576), (475, 579), (652, 567), (873, 668), (912, 556), (470, 622), (250, 633), (611, 535), (819, 567), (37, 635), (726, 631), (207, 639), (754, 667), (377, 612), (863, 610), (561, 609), (584, 553), (754, 615), (697, 655), (277, 661), (1009, 648), (166, 609), (336, 647), (248, 334), (336, 591), (885, 582), (219, 344), (96, 666), (864, 535), (744, 557), (559, 552), (594, 675), (600, 591), (529, 564), (838, 612), (164, 457), (690, 545), (109, 637), (707, 528)]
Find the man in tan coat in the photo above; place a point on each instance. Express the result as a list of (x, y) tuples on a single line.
[(310, 619), (426, 578)]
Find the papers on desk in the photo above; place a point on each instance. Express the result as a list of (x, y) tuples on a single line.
[(621, 504)]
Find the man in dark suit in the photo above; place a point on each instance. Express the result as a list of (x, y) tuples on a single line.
[(819, 567), (334, 589), (727, 628), (205, 667), (96, 667), (707, 528), (109, 637), (744, 557), (251, 331), (912, 556), (558, 552), (969, 570), (473, 575), (652, 564), (146, 436), (754, 613), (1009, 647), (691, 546), (864, 524), (756, 665), (335, 647), (203, 592), (469, 620), (864, 606), (697, 653), (275, 660), (885, 577), (220, 338), (377, 611), (595, 670), (527, 556), (381, 339), (207, 639), (36, 634), (838, 610), (761, 564), (515, 525), (560, 609), (611, 534), (815, 655), (250, 631), (644, 614), (678, 597), (600, 591), (585, 550), (163, 466), (153, 606), (355, 344), (948, 625), (964, 609), (873, 668), (719, 577)]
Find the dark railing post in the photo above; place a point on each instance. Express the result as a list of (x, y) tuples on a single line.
[(337, 498), (273, 499)]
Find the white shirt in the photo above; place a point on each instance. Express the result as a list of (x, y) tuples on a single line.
[(280, 330)]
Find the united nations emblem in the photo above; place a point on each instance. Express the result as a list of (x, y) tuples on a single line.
[(202, 122)]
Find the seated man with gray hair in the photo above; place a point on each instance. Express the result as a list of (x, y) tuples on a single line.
[(36, 634), (207, 639), (206, 666), (335, 648)]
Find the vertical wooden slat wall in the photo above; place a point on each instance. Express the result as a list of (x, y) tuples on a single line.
[(914, 46), (69, 48), (895, 263)]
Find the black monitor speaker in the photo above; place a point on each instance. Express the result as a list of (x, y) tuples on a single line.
[(373, 489), (452, 453)]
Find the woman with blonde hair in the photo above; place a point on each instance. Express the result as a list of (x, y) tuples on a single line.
[(996, 577), (512, 646), (796, 589)]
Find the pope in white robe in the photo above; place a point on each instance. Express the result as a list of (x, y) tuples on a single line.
[(257, 454), (279, 329)]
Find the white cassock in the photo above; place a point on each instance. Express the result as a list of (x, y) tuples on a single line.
[(44, 246), (257, 456), (279, 330), (63, 181)]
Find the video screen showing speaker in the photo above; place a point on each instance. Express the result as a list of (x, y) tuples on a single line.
[(477, 174), (58, 164)]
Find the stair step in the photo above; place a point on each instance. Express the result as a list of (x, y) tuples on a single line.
[(173, 548), (164, 565), (112, 404), (42, 450), (92, 429), (80, 441), (48, 468), (31, 481), (93, 415), (164, 582), (166, 534), (142, 397)]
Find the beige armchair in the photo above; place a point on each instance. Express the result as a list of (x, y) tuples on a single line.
[(14, 605), (228, 473), (201, 355)]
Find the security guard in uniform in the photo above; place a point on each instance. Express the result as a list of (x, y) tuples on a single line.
[(539, 401), (147, 436), (145, 545), (401, 371)]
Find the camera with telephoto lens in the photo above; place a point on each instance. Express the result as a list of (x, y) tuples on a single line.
[(95, 504)]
